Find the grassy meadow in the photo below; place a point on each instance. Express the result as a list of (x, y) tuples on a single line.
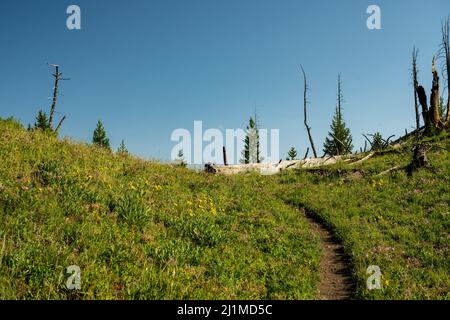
[(141, 230), (144, 230)]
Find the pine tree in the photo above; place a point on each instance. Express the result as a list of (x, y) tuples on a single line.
[(122, 149), (99, 137), (251, 152), (377, 142), (339, 141), (42, 121), (292, 154)]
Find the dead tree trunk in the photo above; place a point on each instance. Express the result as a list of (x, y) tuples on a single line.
[(419, 159), (225, 162), (434, 98), (415, 84), (60, 124), (305, 103), (431, 116), (57, 76), (422, 96), (445, 53), (306, 154)]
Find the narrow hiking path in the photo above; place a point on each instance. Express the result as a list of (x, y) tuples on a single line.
[(335, 272)]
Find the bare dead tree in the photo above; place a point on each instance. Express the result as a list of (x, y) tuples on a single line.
[(367, 140), (60, 123), (434, 121), (305, 104), (415, 84), (57, 76), (444, 54), (306, 154), (385, 142), (340, 96), (225, 162), (422, 96), (430, 114), (434, 98)]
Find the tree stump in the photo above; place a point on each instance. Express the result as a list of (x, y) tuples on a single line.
[(419, 159), (209, 168)]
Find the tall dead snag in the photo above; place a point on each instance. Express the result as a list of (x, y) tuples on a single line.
[(434, 98), (305, 103), (433, 119), (445, 55), (415, 84), (225, 162), (422, 96), (431, 116), (57, 76)]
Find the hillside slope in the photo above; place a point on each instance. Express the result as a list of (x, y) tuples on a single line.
[(143, 230), (397, 222)]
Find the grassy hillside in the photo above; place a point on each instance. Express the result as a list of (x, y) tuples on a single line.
[(143, 230), (400, 223)]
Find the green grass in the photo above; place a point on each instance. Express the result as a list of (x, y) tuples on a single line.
[(143, 230), (400, 223)]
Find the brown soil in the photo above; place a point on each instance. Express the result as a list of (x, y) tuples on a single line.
[(335, 275)]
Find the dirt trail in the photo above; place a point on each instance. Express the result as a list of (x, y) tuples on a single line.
[(335, 275)]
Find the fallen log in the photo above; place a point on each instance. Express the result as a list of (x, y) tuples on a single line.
[(274, 168)]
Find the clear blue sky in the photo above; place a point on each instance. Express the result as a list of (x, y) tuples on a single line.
[(148, 67)]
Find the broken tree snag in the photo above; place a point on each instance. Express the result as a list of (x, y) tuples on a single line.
[(425, 112), (368, 140), (431, 116), (419, 159), (60, 124), (209, 168), (386, 142), (225, 162), (420, 156), (434, 98), (57, 76), (415, 84), (445, 54), (423, 100), (306, 154), (305, 103)]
